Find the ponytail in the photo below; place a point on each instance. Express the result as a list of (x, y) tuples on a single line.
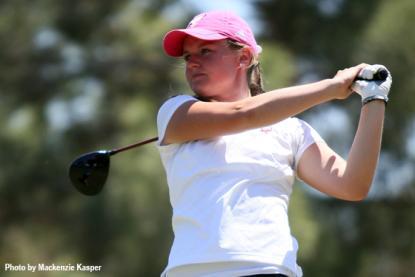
[(254, 76)]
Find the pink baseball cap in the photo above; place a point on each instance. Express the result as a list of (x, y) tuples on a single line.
[(214, 25)]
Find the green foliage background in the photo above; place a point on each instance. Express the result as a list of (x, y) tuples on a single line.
[(78, 76)]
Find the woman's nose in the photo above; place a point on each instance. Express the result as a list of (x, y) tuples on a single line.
[(193, 62)]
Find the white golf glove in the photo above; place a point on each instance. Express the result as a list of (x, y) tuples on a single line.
[(370, 88)]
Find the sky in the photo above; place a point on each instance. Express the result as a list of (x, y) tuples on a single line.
[(243, 8)]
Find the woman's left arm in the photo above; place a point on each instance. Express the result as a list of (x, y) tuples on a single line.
[(323, 169)]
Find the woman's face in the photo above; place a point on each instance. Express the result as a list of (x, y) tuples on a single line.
[(213, 70)]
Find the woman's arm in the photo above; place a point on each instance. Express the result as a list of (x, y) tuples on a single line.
[(326, 171), (203, 120)]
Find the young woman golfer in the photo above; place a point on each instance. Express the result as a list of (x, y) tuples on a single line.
[(231, 153)]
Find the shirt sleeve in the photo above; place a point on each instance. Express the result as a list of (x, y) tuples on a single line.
[(306, 136), (167, 110)]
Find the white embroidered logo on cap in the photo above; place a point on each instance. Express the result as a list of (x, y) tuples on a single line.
[(195, 20), (241, 33)]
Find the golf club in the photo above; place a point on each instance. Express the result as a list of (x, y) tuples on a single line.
[(380, 75), (89, 172)]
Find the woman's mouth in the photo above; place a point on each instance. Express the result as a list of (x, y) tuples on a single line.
[(197, 75)]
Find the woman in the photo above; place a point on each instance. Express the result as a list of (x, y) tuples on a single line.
[(231, 153)]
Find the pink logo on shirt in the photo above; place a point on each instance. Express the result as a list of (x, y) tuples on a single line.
[(266, 130)]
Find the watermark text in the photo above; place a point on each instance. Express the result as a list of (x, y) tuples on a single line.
[(40, 267)]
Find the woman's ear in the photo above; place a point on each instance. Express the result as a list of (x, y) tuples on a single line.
[(245, 58)]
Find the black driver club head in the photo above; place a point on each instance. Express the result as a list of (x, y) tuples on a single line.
[(89, 172)]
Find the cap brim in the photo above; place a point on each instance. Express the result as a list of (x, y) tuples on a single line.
[(173, 40)]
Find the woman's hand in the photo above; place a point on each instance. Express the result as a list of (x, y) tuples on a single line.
[(369, 89), (344, 80)]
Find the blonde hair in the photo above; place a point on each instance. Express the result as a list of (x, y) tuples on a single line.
[(254, 73)]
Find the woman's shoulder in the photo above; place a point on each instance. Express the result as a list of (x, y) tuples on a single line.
[(179, 98), (290, 123), (173, 102), (294, 126)]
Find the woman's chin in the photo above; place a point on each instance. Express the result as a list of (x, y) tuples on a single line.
[(200, 91)]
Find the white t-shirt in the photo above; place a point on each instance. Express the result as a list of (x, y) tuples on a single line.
[(230, 195)]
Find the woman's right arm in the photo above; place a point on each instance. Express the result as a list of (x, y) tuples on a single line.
[(195, 120)]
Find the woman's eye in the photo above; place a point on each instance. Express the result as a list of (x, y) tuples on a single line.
[(186, 57), (202, 52), (205, 51)]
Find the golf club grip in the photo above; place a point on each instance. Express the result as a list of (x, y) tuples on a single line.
[(380, 75), (140, 143)]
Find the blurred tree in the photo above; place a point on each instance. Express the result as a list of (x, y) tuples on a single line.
[(77, 76), (373, 238)]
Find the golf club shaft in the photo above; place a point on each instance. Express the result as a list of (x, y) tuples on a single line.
[(118, 150)]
